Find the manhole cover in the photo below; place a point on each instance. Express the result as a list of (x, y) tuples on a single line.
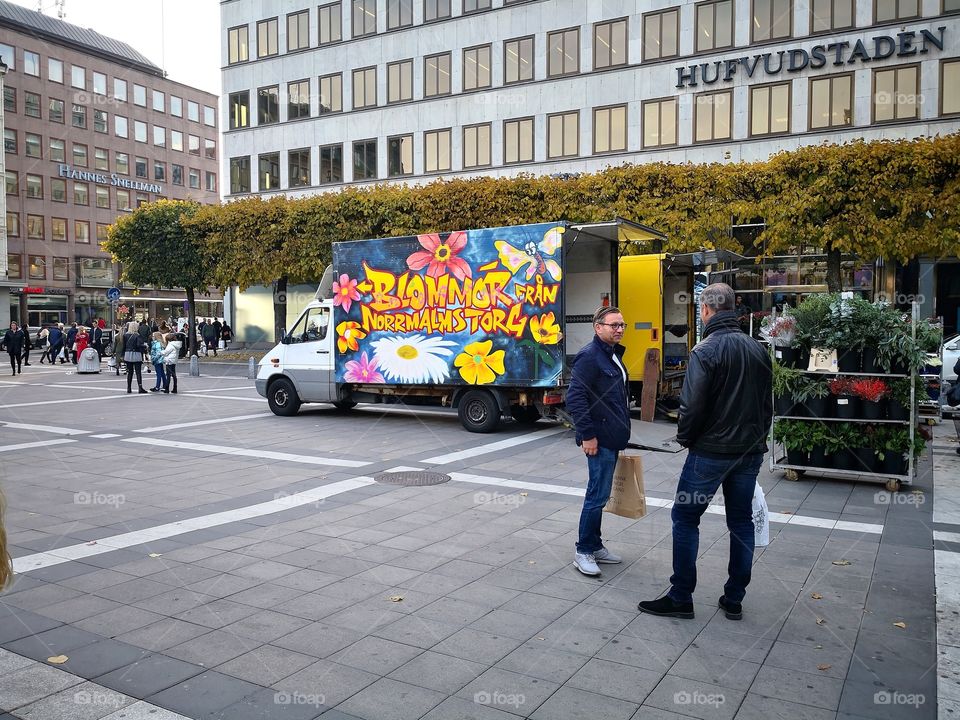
[(412, 479)]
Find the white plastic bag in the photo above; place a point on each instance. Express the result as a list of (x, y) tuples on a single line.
[(761, 518)]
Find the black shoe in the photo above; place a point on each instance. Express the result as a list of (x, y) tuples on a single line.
[(154, 389), (173, 392), (733, 611), (666, 607), (168, 392), (27, 364), (142, 391)]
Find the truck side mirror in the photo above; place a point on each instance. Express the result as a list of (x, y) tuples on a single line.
[(284, 338)]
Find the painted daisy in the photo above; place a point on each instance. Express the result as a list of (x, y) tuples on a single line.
[(413, 358)]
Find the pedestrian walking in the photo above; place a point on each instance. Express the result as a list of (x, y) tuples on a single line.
[(597, 399), (725, 414), (43, 340), (55, 342), (210, 335), (14, 340), (171, 353), (226, 332), (28, 345), (133, 350), (117, 348), (69, 348), (156, 357), (96, 338), (81, 343), (143, 329)]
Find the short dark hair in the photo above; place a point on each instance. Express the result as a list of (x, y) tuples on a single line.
[(718, 296), (602, 312)]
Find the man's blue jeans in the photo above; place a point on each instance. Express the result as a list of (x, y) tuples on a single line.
[(699, 480), (600, 468)]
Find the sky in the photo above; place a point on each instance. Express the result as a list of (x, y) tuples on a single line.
[(188, 48)]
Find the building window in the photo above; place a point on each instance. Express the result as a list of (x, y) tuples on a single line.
[(10, 99), (139, 131), (950, 87), (34, 186), (470, 6), (6, 51), (436, 151), (80, 155), (58, 190), (123, 199), (771, 19), (140, 167), (13, 266), (209, 116), (57, 150), (331, 163), (267, 38), (55, 70), (298, 168), (518, 60), (139, 95), (12, 182), (435, 10), (78, 116), (826, 15), (58, 229), (103, 232), (176, 106), (81, 193), (563, 135), (56, 110), (37, 267), (400, 155), (239, 103), (103, 197), (268, 105), (436, 75), (364, 88), (715, 25), (331, 93), (31, 63), (176, 140), (120, 126), (193, 180), (210, 179), (610, 129), (31, 107), (176, 174), (269, 171), (209, 149), (61, 268), (610, 44), (895, 94), (237, 43), (121, 162), (35, 227), (298, 31), (13, 224), (239, 175), (712, 116), (159, 171), (193, 111), (31, 144), (100, 121), (101, 159), (193, 144), (399, 14), (10, 141), (330, 23), (951, 6), (365, 160), (400, 81), (159, 136), (81, 231), (770, 109), (563, 52), (476, 68), (831, 102), (476, 145), (518, 140), (298, 99), (78, 77), (886, 10), (364, 17), (120, 89), (159, 101), (660, 32)]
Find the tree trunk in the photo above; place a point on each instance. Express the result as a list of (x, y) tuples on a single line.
[(834, 281), (191, 323), (279, 308)]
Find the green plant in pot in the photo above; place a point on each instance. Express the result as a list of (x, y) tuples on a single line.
[(898, 404), (845, 334), (786, 385), (794, 435), (847, 437), (822, 444), (874, 322), (890, 445), (898, 352), (812, 321), (813, 394), (872, 393)]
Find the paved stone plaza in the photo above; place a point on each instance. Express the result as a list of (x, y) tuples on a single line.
[(193, 556)]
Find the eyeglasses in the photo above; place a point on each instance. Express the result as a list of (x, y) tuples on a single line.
[(615, 326)]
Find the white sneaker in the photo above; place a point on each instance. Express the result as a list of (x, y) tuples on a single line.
[(605, 556), (586, 564)]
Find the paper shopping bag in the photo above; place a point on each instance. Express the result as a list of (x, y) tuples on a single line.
[(761, 518), (626, 496)]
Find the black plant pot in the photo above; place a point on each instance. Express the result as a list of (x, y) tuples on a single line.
[(784, 405), (819, 457), (847, 407), (864, 459), (873, 410), (893, 464), (817, 407), (899, 368), (797, 457), (896, 411), (848, 361), (930, 370), (844, 460), (787, 356), (868, 361)]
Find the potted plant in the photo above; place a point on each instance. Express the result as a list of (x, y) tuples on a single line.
[(821, 445), (780, 331), (844, 334), (891, 445), (794, 437), (847, 404), (898, 353), (842, 438), (898, 404), (875, 321), (813, 394), (811, 321), (786, 382), (872, 392)]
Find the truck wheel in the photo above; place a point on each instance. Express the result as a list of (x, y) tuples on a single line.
[(344, 405), (282, 397), (478, 411), (525, 414)]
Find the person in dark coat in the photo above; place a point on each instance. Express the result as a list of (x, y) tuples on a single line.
[(28, 345), (14, 340), (96, 338), (143, 330), (133, 349), (71, 339), (55, 342)]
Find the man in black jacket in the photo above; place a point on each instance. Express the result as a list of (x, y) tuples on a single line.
[(597, 400), (725, 413), (96, 338)]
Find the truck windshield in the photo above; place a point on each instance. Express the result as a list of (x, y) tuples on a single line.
[(311, 326)]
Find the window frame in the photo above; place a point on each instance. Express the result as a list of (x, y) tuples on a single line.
[(64, 264), (943, 63), (234, 162), (438, 17), (276, 37), (563, 32), (320, 105), (643, 34), (833, 27), (830, 79), (260, 159), (230, 107), (897, 16), (376, 159), (426, 146), (320, 176), (873, 92), (79, 237), (696, 110), (626, 127), (463, 59), (329, 21), (399, 65), (290, 158), (277, 96), (772, 37), (353, 87), (245, 45), (626, 42), (439, 72), (533, 139), (487, 5), (733, 25), (533, 58), (769, 86), (400, 4), (362, 5), (290, 104), (463, 145), (401, 138), (62, 222), (563, 116), (298, 16)]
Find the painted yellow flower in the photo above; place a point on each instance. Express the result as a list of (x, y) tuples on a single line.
[(545, 329), (479, 366), (348, 333)]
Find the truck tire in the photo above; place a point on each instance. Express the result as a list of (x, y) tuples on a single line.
[(344, 405), (478, 411), (525, 414), (282, 397)]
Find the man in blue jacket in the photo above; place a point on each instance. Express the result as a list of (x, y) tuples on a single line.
[(598, 401)]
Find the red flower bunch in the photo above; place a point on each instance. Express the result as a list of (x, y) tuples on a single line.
[(870, 389), (841, 386)]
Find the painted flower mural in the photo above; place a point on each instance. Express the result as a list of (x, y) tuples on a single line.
[(479, 366), (413, 358), (363, 370), (345, 292), (349, 334), (545, 329), (440, 256)]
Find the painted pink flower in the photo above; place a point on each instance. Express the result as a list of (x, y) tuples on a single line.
[(440, 256), (363, 370), (345, 292)]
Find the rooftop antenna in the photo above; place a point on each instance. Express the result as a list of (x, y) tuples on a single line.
[(61, 13)]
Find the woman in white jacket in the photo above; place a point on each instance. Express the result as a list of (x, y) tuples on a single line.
[(169, 355)]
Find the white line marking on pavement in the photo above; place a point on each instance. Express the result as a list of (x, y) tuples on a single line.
[(944, 536), (160, 532), (220, 389), (196, 423), (44, 428), (494, 446), (28, 445), (62, 401), (201, 394), (244, 452), (104, 436), (79, 386)]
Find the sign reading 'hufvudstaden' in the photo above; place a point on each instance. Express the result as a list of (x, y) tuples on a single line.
[(67, 171)]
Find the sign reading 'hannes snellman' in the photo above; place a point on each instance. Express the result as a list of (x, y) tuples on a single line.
[(902, 44)]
